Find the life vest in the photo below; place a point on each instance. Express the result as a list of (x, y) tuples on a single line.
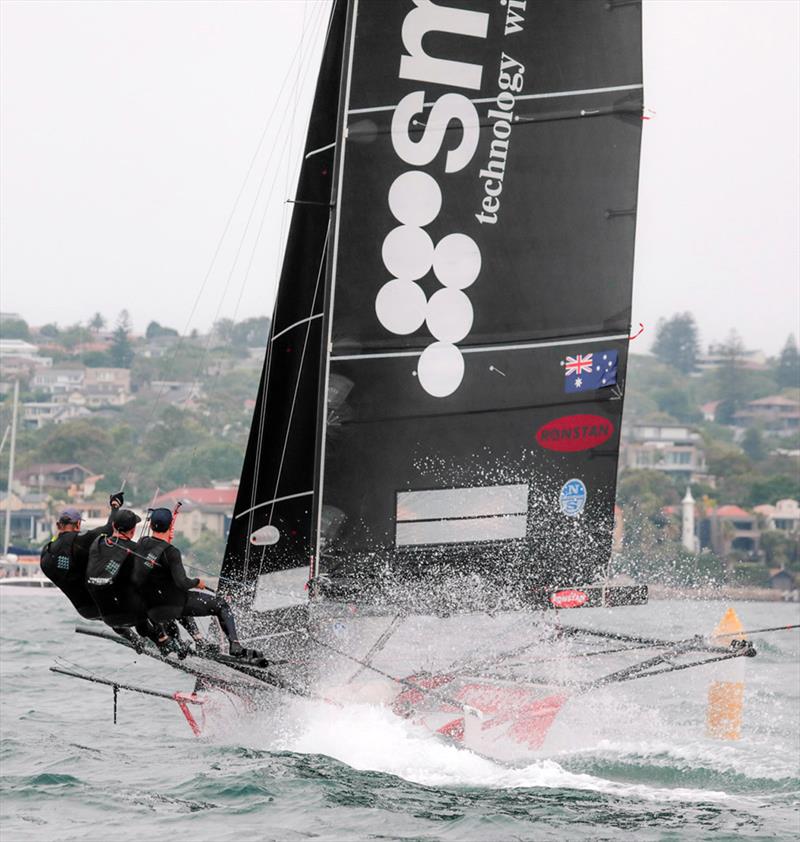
[(56, 560), (148, 557), (66, 569), (109, 580), (107, 557)]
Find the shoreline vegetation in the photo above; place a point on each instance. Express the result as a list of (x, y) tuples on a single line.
[(724, 422)]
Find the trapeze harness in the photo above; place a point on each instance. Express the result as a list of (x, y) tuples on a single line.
[(109, 580)]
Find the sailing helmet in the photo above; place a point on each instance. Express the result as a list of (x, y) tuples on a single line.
[(160, 520), (124, 520)]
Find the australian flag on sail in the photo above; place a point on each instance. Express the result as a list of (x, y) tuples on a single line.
[(590, 371)]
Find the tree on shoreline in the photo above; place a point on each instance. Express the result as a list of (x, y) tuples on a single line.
[(677, 342), (788, 372), (730, 377), (16, 329), (121, 351)]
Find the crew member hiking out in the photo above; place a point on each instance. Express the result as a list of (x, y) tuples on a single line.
[(65, 556), (109, 580), (167, 590)]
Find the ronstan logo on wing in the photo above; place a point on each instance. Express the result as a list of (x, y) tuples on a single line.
[(569, 599), (571, 433)]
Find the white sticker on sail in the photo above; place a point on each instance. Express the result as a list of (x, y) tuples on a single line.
[(420, 533), (265, 537), (461, 515), (479, 501)]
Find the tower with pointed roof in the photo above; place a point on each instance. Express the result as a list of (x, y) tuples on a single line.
[(687, 521)]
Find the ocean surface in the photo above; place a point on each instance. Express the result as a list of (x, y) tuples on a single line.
[(627, 762)]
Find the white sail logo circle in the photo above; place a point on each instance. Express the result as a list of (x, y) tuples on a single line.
[(409, 254), (440, 366), (415, 198), (449, 315), (401, 306), (456, 261)]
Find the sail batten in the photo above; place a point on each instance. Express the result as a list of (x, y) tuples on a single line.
[(468, 349), (521, 98)]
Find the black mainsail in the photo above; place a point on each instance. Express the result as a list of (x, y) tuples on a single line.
[(469, 362)]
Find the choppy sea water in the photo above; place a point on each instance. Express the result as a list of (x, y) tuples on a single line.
[(631, 761)]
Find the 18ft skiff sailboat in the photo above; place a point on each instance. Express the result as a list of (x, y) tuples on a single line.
[(434, 445)]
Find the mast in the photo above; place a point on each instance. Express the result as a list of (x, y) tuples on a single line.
[(11, 453), (340, 390)]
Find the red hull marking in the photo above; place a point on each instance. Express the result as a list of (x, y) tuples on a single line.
[(406, 702), (184, 700), (453, 729), (536, 720), (528, 719), (569, 599), (571, 433)]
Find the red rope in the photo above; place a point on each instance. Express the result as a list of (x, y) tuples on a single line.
[(638, 333)]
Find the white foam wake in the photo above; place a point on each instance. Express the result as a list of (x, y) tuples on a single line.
[(371, 737)]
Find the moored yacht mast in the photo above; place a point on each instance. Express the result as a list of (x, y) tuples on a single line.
[(11, 454)]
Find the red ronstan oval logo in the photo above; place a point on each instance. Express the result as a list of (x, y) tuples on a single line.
[(571, 433), (569, 599)]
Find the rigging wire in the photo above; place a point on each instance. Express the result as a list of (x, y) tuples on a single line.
[(260, 424), (290, 134), (284, 152), (435, 693), (292, 95), (300, 370), (102, 676), (289, 72), (297, 161)]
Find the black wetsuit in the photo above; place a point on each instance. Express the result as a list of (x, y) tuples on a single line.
[(63, 560), (110, 576), (167, 589)]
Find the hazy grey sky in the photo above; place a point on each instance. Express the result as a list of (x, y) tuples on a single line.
[(128, 128)]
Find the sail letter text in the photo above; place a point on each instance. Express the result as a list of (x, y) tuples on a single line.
[(514, 19), (448, 107), (503, 117), (419, 65)]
